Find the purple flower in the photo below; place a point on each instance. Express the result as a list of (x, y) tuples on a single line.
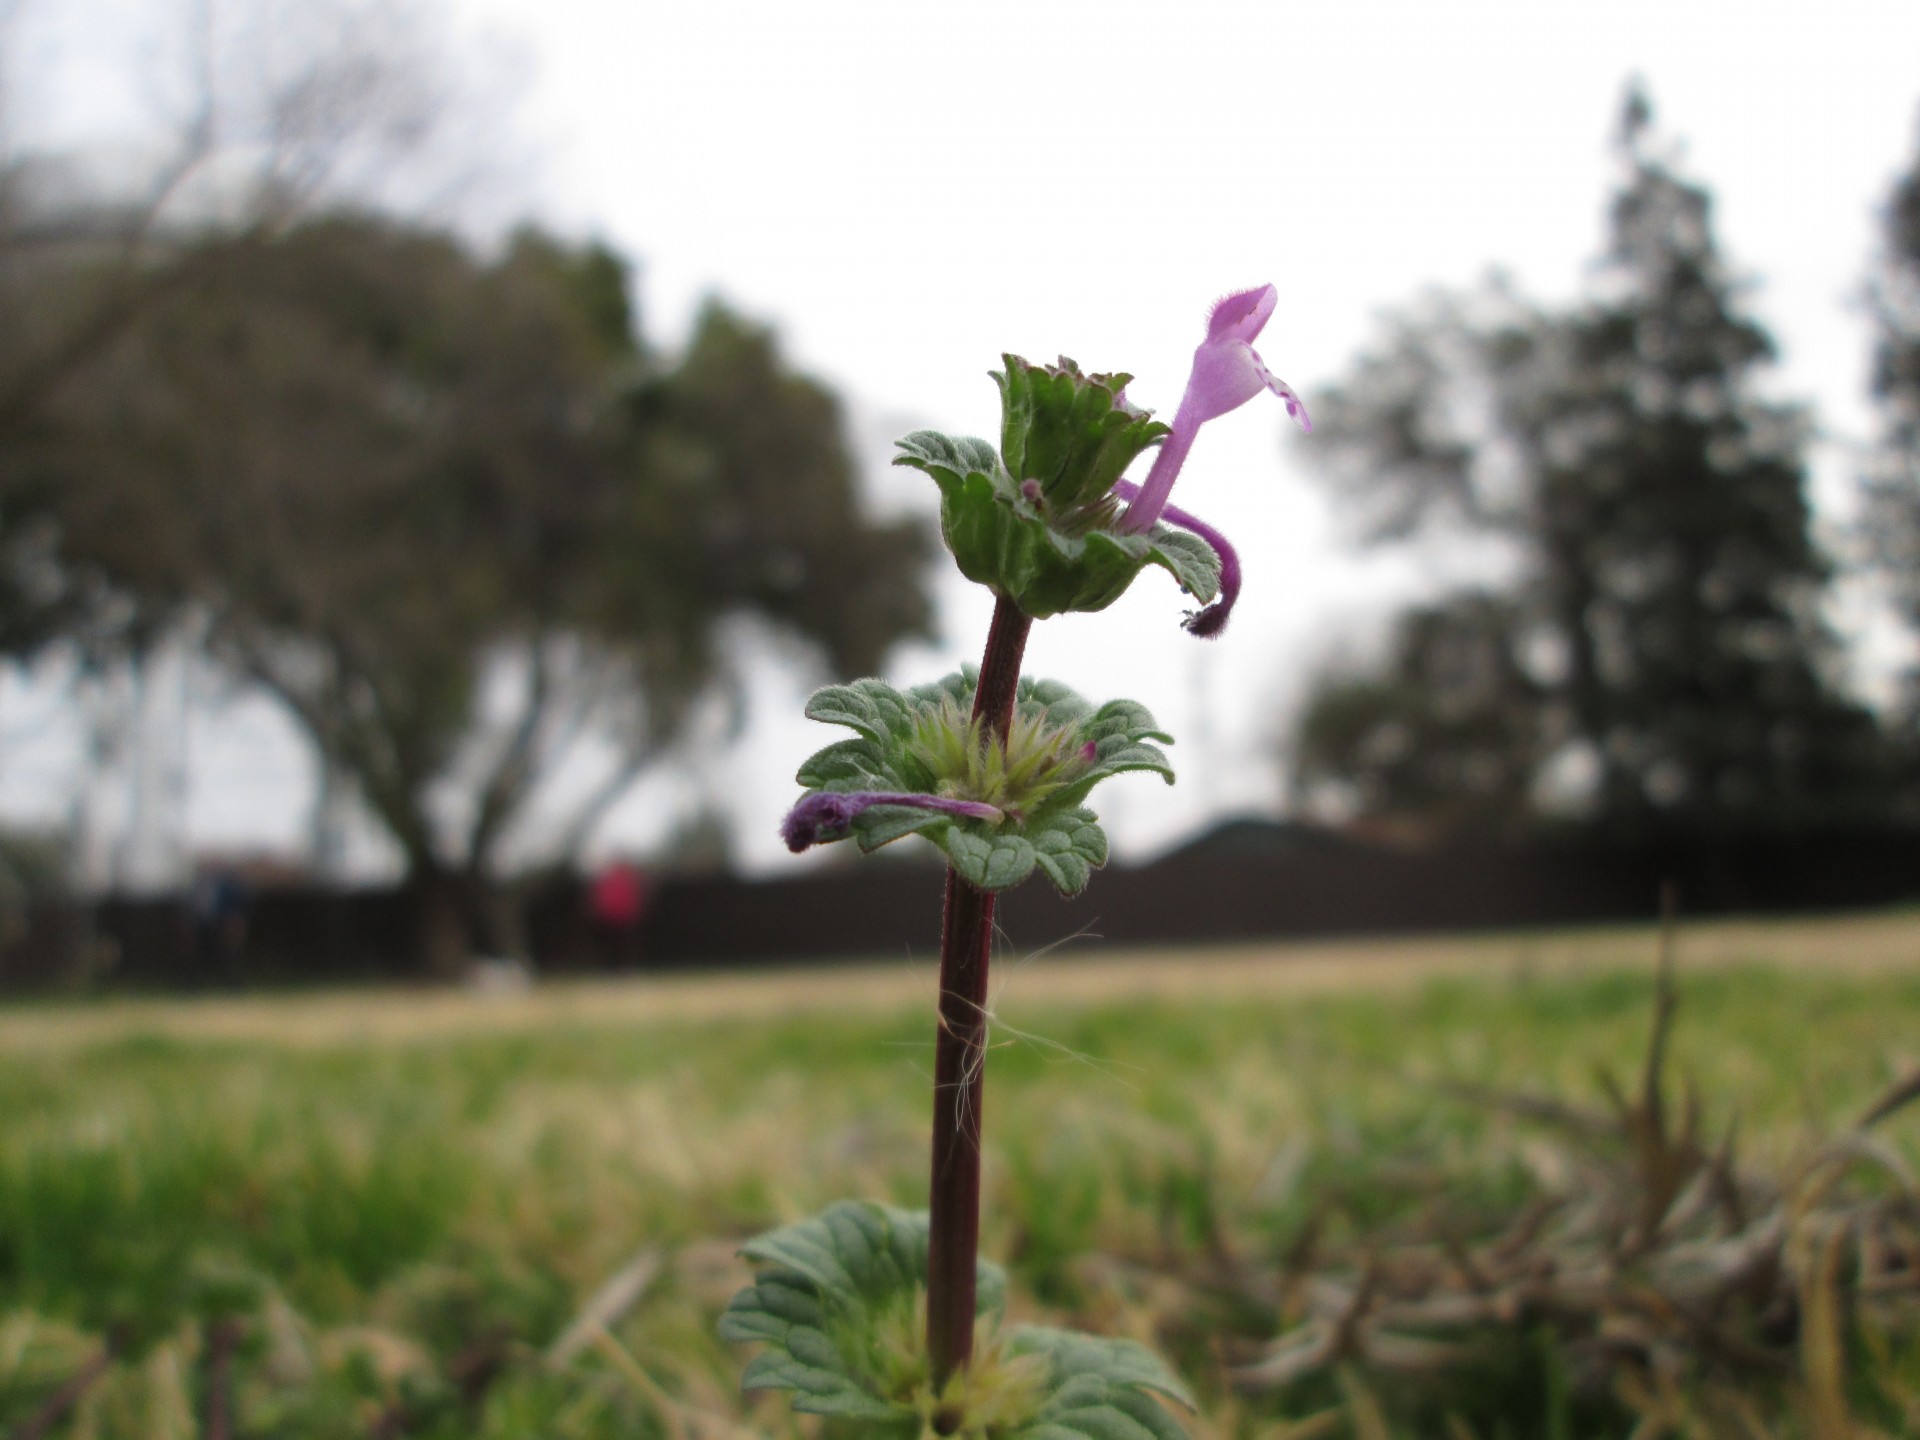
[(1226, 374), (827, 814), (1209, 622)]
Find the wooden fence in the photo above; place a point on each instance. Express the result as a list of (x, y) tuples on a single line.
[(1244, 882)]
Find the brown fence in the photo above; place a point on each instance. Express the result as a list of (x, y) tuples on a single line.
[(1227, 891), (1244, 882)]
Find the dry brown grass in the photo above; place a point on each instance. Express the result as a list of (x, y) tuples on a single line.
[(1851, 944)]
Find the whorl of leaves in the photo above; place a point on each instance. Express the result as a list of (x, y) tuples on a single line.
[(837, 1302), (890, 753)]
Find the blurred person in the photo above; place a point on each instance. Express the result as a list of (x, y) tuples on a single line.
[(616, 903), (222, 907)]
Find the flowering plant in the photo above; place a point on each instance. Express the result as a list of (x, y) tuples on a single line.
[(889, 1318)]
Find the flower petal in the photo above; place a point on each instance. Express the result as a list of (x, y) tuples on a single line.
[(1242, 316), (828, 814), (1226, 374), (1210, 622), (1296, 407)]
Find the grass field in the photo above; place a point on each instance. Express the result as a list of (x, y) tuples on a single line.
[(408, 1199)]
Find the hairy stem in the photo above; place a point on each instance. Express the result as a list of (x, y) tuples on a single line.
[(966, 938)]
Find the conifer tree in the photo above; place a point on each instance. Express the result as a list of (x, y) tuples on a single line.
[(1667, 591), (1893, 485)]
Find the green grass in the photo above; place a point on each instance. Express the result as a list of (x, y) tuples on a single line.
[(381, 1206)]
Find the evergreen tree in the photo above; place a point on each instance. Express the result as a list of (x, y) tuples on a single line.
[(1893, 486), (1445, 738), (1666, 606)]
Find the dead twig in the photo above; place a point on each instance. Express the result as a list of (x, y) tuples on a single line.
[(1897, 1097), (42, 1421), (608, 1305)]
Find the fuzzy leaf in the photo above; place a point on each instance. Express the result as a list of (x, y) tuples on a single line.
[(952, 456), (1072, 433), (992, 862), (849, 761), (1099, 1389), (884, 824), (1000, 539), (1069, 845), (1125, 717), (829, 1293), (872, 707), (1189, 559), (1120, 755), (1056, 834), (1062, 704)]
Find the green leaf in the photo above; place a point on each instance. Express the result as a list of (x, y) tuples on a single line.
[(1062, 704), (1187, 558), (955, 457), (992, 861), (850, 1250), (1098, 1389), (1054, 834), (872, 707), (1047, 561), (884, 824), (1073, 433), (834, 1301), (1069, 846), (1125, 717), (850, 761)]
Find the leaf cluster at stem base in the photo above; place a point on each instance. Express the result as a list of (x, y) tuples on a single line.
[(835, 1302)]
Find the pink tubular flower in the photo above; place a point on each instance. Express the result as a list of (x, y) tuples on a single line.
[(1226, 374)]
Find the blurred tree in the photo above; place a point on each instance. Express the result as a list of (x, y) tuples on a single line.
[(701, 844), (1893, 483), (263, 112), (1445, 737), (460, 523), (1664, 624)]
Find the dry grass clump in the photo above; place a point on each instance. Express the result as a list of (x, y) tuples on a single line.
[(1649, 1281)]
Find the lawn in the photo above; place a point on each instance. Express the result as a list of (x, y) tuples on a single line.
[(385, 1212)]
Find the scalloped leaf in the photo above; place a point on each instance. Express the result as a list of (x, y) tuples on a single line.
[(884, 824), (990, 861), (1099, 1389), (1000, 540), (834, 1302), (1189, 559), (1125, 717), (1063, 704), (1070, 845), (1072, 432), (1059, 837), (829, 1299), (851, 761), (954, 456), (852, 1249), (872, 707)]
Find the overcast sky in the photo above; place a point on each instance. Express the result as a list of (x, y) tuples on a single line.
[(908, 190)]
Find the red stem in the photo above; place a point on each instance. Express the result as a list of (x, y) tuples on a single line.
[(966, 940)]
